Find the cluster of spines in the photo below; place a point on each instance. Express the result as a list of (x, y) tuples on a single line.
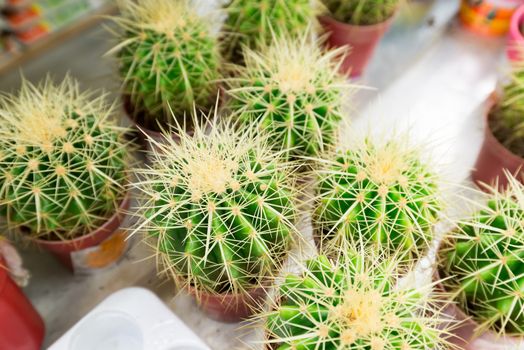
[(169, 59), (292, 90), (222, 207), (63, 160), (484, 262)]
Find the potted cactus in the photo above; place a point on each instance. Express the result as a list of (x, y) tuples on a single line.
[(358, 24), (169, 60), (291, 90), (220, 207), (253, 24), (62, 169), (381, 196), (353, 304), (503, 147), (482, 264)]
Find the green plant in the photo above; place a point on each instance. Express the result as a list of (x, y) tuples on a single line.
[(484, 261), (362, 12), (292, 90), (169, 59), (221, 206), (253, 24), (62, 160), (377, 195), (353, 304), (507, 120)]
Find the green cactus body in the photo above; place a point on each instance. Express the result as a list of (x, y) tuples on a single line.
[(486, 262), (293, 92), (169, 59), (62, 164), (382, 196), (362, 12), (352, 305), (253, 24), (222, 209)]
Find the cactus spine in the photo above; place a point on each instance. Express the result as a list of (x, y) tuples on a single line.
[(169, 59), (353, 304), (378, 195), (62, 161), (485, 262), (293, 91), (362, 12), (222, 207)]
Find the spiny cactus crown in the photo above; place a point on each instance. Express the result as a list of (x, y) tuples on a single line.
[(507, 121), (222, 206), (485, 262), (292, 90), (62, 161), (353, 304), (362, 12), (378, 195), (168, 59), (254, 23)]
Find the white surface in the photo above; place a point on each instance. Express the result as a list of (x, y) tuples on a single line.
[(130, 319)]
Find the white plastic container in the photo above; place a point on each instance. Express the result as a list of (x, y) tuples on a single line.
[(130, 319)]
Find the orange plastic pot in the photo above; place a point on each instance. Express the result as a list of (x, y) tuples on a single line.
[(487, 17), (21, 327), (361, 41), (494, 158), (229, 307), (96, 250)]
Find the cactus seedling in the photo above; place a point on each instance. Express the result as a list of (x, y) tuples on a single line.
[(362, 12), (293, 91), (377, 195), (169, 59), (353, 304), (485, 262), (253, 24), (221, 206), (62, 161)]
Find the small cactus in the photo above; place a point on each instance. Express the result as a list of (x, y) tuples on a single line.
[(62, 160), (507, 120), (293, 91), (377, 195), (253, 24), (484, 261), (362, 12), (353, 304), (221, 206), (169, 59)]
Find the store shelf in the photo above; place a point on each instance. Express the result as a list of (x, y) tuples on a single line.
[(11, 60)]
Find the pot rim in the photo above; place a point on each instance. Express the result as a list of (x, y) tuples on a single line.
[(195, 291), (333, 20), (124, 204), (516, 20)]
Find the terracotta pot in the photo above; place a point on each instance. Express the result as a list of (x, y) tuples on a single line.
[(494, 157), (515, 49), (21, 327), (229, 307), (99, 249), (361, 40), (488, 17)]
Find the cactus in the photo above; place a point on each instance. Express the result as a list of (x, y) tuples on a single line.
[(169, 59), (253, 24), (293, 91), (221, 207), (62, 160), (377, 195), (484, 261), (362, 12), (507, 120), (353, 304)]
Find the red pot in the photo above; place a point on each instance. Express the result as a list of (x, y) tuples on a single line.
[(229, 307), (494, 158), (21, 327), (362, 41), (101, 248)]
